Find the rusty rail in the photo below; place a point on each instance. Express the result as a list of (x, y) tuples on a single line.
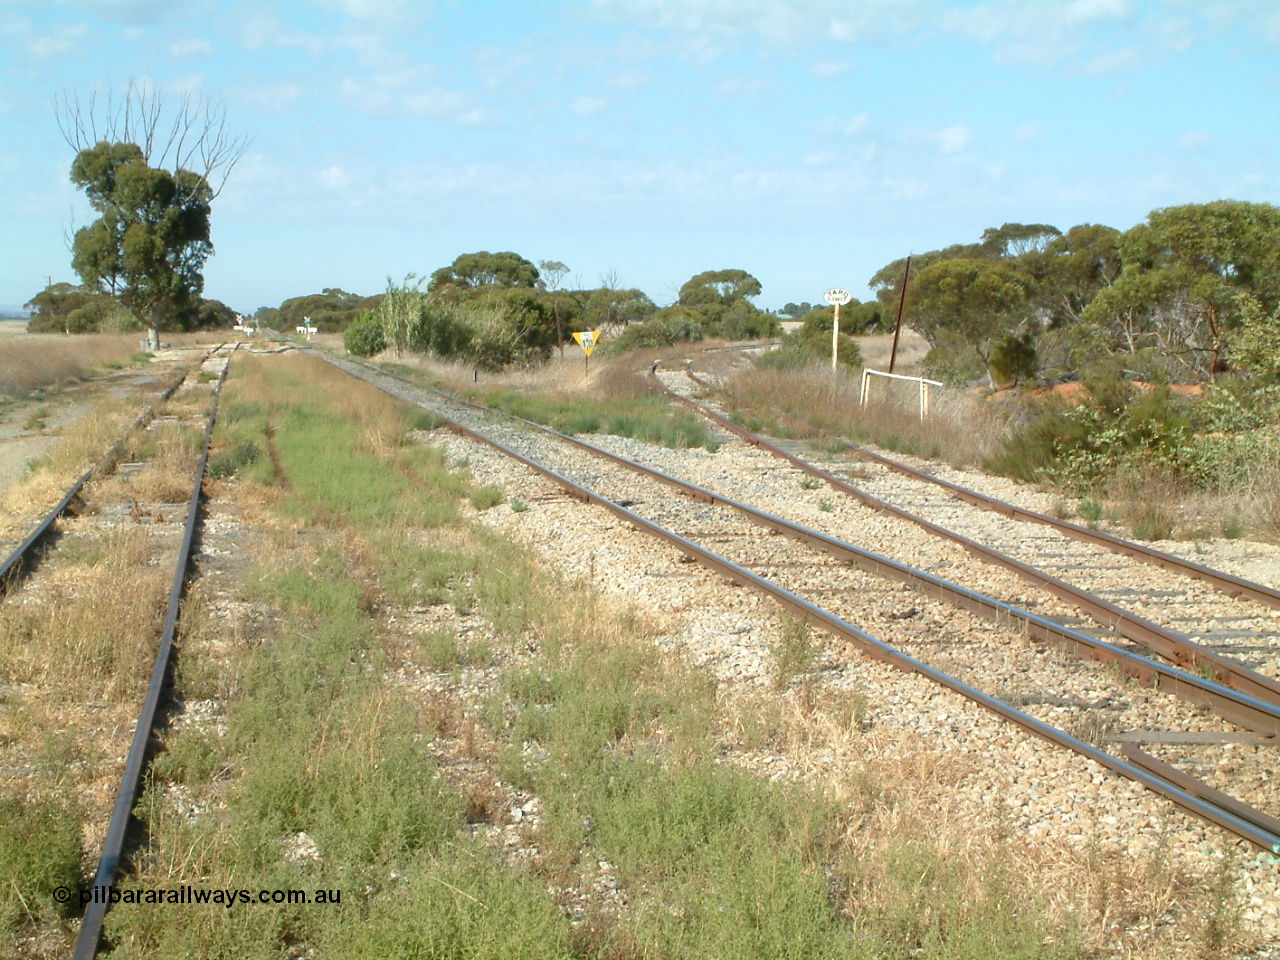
[(13, 566), (1233, 705), (113, 847), (1244, 827), (1173, 646)]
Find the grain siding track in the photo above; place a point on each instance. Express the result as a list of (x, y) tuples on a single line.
[(109, 506), (1054, 691)]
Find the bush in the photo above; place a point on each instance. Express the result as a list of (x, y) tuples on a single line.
[(365, 336), (669, 327), (1116, 430), (813, 342), (1014, 359)]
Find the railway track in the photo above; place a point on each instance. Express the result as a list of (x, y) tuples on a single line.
[(990, 652), (122, 515), (1153, 600)]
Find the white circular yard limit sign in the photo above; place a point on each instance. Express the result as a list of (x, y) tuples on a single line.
[(836, 296)]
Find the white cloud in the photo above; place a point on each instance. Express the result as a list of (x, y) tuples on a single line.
[(380, 11), (1093, 36), (831, 68), (1029, 131), (334, 178), (1194, 141), (588, 106), (130, 11), (407, 91), (832, 127), (191, 49), (955, 138)]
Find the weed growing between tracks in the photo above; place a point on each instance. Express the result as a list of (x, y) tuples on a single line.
[(617, 402), (333, 774), (77, 641)]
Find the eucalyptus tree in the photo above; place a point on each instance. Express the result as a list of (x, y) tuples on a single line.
[(1185, 274), (151, 174)]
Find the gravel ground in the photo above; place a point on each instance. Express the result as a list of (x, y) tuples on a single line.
[(1013, 779)]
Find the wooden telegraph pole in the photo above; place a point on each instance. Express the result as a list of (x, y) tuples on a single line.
[(837, 298), (897, 329)]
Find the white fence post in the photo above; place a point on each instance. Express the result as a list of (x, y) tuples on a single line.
[(865, 393)]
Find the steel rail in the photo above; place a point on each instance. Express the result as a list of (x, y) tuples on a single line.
[(1176, 647), (113, 847), (1261, 716), (877, 649), (10, 568), (1219, 580)]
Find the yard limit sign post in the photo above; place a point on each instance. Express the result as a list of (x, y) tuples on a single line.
[(837, 298), (587, 340)]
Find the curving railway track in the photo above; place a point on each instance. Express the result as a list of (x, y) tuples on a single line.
[(972, 643), (1153, 600)]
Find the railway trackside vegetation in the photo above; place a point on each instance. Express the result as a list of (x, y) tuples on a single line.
[(617, 402), (331, 770)]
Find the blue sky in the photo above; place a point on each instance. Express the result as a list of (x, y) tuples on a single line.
[(807, 141)]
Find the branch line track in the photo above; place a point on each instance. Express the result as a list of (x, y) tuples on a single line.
[(118, 828), (699, 523), (1179, 648), (18, 560), (90, 935)]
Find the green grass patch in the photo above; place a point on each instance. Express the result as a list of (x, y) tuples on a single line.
[(40, 850), (648, 418)]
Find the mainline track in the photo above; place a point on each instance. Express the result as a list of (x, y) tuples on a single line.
[(1176, 647), (1249, 826)]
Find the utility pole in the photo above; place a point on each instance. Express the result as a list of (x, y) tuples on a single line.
[(897, 328)]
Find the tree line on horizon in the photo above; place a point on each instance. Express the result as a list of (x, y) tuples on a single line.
[(1191, 294)]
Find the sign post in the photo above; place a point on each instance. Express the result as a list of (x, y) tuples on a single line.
[(587, 340), (837, 298)]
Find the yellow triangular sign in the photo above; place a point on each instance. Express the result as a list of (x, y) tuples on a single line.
[(587, 340)]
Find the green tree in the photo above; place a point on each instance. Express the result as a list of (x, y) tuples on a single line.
[(1014, 359), (1184, 272), (722, 287), (1018, 239), (609, 308), (978, 302), (1072, 269), (151, 178), (473, 271), (149, 244), (551, 273)]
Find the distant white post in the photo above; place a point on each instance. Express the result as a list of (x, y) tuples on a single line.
[(836, 297)]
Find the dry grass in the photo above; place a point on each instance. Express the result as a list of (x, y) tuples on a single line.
[(31, 361), (819, 402), (80, 445), (89, 629), (621, 377), (899, 797)]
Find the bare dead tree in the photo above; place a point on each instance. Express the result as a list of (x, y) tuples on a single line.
[(194, 137)]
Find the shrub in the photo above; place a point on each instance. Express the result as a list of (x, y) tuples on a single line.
[(1014, 359), (365, 336), (813, 342), (669, 327)]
